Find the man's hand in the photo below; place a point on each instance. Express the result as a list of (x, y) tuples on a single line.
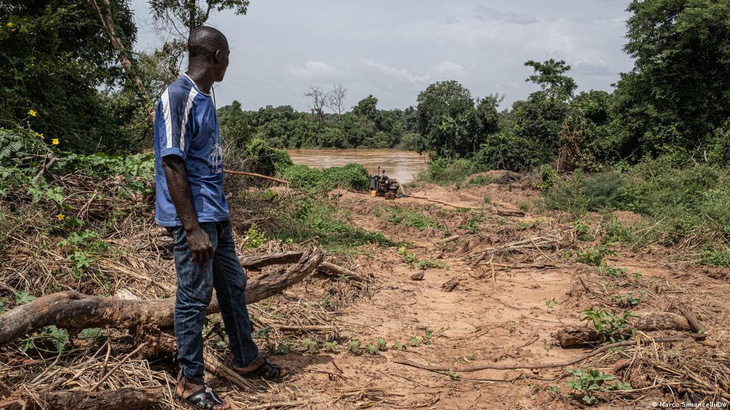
[(201, 249), (176, 175)]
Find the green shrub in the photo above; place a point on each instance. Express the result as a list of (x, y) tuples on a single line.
[(444, 171), (350, 176), (549, 177), (411, 218)]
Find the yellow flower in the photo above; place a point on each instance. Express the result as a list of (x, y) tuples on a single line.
[(40, 136), (54, 141), (60, 217), (32, 113), (9, 25)]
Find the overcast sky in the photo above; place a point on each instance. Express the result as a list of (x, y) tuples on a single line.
[(394, 49)]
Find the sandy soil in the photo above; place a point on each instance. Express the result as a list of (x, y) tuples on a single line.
[(495, 314)]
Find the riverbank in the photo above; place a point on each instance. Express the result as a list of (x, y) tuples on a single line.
[(401, 165)]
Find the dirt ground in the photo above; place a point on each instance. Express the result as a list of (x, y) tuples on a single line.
[(505, 310)]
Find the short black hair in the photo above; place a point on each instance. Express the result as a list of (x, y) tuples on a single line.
[(205, 41)]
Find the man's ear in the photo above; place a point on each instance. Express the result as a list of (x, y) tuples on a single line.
[(218, 56)]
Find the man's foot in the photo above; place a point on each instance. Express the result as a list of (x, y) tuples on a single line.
[(262, 368), (198, 395)]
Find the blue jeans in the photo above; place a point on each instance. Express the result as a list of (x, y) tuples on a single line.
[(194, 292)]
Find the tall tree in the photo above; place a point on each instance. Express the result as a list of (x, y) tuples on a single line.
[(447, 119), (317, 101), (550, 76), (63, 72), (677, 95), (336, 101), (184, 16)]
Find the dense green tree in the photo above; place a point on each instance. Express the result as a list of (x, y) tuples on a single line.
[(550, 76), (447, 119), (59, 63), (234, 125), (367, 108), (677, 94)]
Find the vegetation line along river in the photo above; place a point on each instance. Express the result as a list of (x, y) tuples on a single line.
[(402, 165)]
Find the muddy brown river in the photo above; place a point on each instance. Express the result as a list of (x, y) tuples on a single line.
[(402, 165)]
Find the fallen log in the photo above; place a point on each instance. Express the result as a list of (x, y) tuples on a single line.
[(76, 311), (260, 261), (438, 369), (332, 269), (126, 398), (581, 335)]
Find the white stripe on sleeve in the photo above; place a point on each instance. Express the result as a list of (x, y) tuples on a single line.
[(186, 113), (168, 118)]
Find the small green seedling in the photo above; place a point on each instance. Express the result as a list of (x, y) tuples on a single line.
[(427, 336), (546, 345), (414, 341), (453, 374), (372, 349), (332, 346), (310, 345), (553, 389), (550, 303), (397, 345), (380, 342), (91, 334), (590, 381), (354, 346)]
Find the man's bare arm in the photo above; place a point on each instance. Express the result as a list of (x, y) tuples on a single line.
[(177, 184)]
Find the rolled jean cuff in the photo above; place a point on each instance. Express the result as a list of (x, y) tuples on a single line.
[(187, 374)]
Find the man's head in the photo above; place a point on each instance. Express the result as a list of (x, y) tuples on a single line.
[(208, 48)]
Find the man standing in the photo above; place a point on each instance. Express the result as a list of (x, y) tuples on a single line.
[(192, 206)]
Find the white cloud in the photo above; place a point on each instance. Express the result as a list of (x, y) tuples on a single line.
[(312, 70), (448, 68), (484, 13), (400, 74)]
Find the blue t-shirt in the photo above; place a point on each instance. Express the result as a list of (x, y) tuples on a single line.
[(186, 125)]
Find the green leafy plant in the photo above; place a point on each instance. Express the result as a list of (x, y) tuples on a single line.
[(472, 224), (453, 374), (91, 334), (354, 346), (548, 177), (582, 231), (326, 300), (550, 303), (380, 342), (628, 300), (427, 335), (409, 258), (331, 346), (414, 341), (372, 349), (610, 327), (397, 345), (605, 270), (22, 298), (594, 256), (424, 264), (310, 345), (586, 383), (254, 237)]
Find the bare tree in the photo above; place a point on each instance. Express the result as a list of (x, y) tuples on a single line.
[(336, 101), (318, 100)]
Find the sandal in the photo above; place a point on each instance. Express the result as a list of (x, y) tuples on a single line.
[(204, 399), (266, 371)]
